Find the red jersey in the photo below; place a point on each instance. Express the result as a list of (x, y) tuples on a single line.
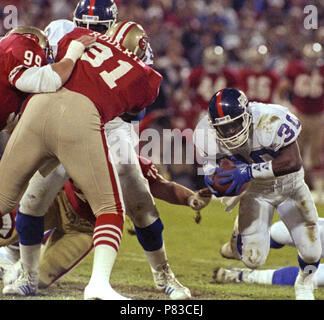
[(259, 86), (204, 84), (17, 53), (83, 209), (114, 79), (308, 87)]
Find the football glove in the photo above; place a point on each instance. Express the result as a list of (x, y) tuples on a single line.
[(239, 176), (237, 162)]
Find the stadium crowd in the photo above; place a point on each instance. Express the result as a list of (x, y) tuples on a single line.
[(182, 31)]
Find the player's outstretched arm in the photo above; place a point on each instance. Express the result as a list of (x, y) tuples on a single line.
[(175, 193)]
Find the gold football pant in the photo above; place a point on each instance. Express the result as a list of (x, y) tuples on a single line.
[(65, 127), (66, 246)]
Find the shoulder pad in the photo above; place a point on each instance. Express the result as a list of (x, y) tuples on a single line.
[(266, 119)]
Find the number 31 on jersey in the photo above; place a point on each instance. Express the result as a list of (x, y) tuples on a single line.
[(102, 53)]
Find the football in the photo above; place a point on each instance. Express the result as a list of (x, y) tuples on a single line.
[(227, 165)]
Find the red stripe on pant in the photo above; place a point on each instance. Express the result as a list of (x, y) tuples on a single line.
[(118, 203)]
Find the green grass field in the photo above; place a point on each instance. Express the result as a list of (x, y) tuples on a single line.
[(193, 252)]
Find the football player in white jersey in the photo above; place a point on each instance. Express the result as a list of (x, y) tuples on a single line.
[(263, 139), (286, 276)]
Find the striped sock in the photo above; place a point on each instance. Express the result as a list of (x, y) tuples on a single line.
[(106, 239)]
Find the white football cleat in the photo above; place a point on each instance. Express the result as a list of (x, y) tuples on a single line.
[(25, 285), (304, 288), (99, 292), (166, 281), (8, 257), (12, 274)]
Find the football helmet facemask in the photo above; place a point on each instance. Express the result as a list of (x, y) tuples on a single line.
[(228, 114), (97, 15), (131, 36), (36, 35)]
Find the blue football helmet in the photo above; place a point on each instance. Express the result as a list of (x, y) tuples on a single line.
[(228, 114), (97, 15)]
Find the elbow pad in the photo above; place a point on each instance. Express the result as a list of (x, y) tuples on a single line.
[(39, 80)]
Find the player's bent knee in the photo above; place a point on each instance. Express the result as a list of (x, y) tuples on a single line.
[(143, 215), (253, 258), (311, 249), (254, 253), (32, 202), (140, 206), (310, 256)]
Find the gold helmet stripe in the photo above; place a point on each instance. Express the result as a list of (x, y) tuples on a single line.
[(123, 31), (115, 35)]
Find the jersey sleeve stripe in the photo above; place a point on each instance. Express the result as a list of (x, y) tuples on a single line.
[(13, 75)]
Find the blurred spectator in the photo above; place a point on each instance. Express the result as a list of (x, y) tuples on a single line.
[(304, 80), (212, 75), (257, 79)]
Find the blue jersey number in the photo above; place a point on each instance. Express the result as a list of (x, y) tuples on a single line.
[(286, 130)]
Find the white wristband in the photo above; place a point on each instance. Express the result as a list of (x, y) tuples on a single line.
[(262, 170), (74, 51)]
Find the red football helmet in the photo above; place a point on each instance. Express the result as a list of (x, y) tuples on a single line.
[(35, 34)]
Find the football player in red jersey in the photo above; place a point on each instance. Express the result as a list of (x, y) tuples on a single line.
[(71, 220), (304, 78), (24, 68), (203, 81), (142, 209), (108, 81), (100, 16), (256, 80)]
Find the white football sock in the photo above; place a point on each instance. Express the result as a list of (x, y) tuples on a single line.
[(29, 256), (103, 262), (157, 258)]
